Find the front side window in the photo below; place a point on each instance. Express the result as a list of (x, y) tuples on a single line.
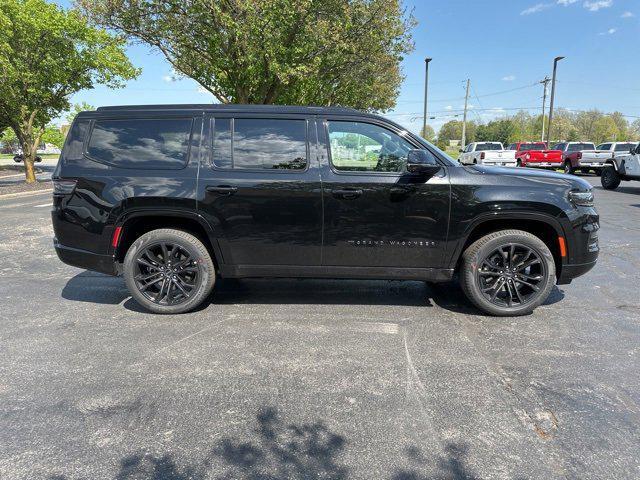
[(251, 143), (141, 143), (364, 147)]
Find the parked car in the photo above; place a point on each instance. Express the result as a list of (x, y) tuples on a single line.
[(622, 167), (19, 158), (582, 156), (487, 153), (536, 154), (175, 197)]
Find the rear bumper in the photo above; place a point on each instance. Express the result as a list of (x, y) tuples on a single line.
[(569, 272), (531, 164), (84, 259)]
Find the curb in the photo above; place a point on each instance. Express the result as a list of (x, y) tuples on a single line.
[(25, 194)]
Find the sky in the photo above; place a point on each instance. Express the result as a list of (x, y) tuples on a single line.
[(505, 47)]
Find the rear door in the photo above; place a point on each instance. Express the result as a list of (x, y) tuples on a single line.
[(259, 187), (376, 213)]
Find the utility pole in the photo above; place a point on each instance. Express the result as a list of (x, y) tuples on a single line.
[(545, 82), (464, 118), (426, 89), (553, 96)]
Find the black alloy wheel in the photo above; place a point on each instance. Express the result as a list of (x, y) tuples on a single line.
[(511, 275), (166, 273), (507, 272), (169, 271)]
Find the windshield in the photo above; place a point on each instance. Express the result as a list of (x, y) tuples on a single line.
[(488, 146), (576, 147), (624, 147), (527, 147)]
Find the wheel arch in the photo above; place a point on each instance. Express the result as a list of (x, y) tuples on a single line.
[(543, 226), (135, 223)]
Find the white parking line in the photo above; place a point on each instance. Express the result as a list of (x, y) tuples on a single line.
[(25, 194), (44, 205)]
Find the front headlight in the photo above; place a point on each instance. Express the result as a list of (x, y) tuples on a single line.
[(581, 199)]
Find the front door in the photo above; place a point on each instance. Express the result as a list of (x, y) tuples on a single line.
[(259, 188), (376, 213)]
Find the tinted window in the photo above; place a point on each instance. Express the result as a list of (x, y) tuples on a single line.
[(604, 146), (559, 146), (488, 146), (576, 147), (137, 143), (74, 142), (363, 147), (624, 147), (249, 143), (527, 147)]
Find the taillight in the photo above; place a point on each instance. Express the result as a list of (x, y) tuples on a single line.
[(613, 155), (482, 156), (527, 156), (64, 187)]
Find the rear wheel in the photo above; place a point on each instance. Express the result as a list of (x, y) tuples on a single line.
[(169, 271), (507, 273), (568, 169), (610, 179)]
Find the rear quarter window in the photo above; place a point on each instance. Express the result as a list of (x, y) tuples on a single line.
[(141, 143)]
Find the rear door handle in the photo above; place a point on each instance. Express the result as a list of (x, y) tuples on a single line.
[(222, 189), (349, 194)]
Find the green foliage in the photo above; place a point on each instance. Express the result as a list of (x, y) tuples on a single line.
[(76, 109), (46, 55), (298, 52), (428, 133), (591, 125), (53, 135), (452, 130)]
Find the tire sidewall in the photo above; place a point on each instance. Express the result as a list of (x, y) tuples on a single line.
[(608, 178), (193, 246), (472, 287)]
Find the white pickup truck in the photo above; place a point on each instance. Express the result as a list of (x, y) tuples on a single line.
[(582, 156), (618, 149), (487, 153)]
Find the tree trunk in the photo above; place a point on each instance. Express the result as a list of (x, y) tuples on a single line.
[(29, 171)]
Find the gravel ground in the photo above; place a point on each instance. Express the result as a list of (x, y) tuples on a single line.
[(293, 379)]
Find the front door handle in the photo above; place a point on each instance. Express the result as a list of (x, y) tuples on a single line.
[(222, 189), (348, 194)]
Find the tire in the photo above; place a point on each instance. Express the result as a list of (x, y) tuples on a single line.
[(474, 271), (195, 277), (38, 159), (609, 178), (568, 169), (17, 158), (519, 163)]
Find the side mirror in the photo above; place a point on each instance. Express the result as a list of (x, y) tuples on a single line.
[(633, 150), (461, 150), (422, 162)]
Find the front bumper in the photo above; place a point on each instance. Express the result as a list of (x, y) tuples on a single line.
[(85, 259), (569, 272)]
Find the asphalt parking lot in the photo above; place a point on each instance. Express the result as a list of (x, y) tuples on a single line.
[(292, 379)]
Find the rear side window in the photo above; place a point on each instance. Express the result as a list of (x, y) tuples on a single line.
[(141, 143), (75, 139), (260, 144)]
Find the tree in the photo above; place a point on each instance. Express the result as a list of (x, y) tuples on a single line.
[(428, 133), (604, 129), (46, 55), (299, 52), (622, 125), (76, 109), (53, 135), (452, 130)]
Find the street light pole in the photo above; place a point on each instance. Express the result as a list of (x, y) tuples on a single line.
[(545, 82), (426, 90), (553, 96)]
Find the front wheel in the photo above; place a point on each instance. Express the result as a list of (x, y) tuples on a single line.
[(507, 273), (609, 178), (169, 271), (519, 163)]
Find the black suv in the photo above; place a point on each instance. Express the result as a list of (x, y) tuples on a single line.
[(175, 196)]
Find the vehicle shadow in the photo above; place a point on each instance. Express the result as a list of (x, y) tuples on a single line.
[(278, 450), (629, 190), (95, 287)]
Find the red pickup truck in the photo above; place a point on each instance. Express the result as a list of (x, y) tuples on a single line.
[(536, 154)]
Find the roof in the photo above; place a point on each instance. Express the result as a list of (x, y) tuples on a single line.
[(235, 108)]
